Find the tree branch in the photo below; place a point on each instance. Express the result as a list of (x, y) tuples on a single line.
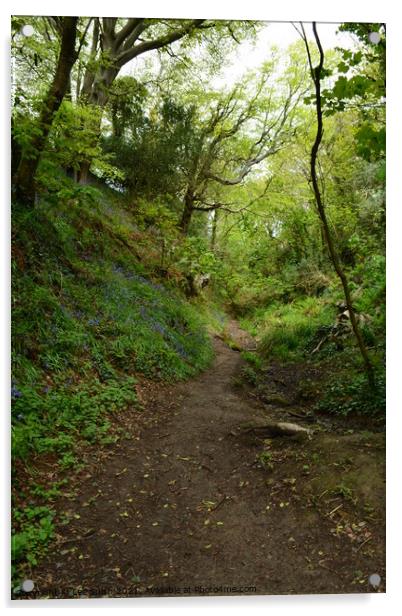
[(89, 74), (127, 30), (167, 39), (83, 36)]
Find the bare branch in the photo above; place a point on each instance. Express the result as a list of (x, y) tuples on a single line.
[(83, 36)]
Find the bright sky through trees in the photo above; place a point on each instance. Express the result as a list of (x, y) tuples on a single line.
[(250, 55)]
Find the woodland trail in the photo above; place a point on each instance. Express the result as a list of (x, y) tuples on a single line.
[(182, 508)]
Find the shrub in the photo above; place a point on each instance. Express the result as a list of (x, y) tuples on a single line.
[(349, 393), (288, 329)]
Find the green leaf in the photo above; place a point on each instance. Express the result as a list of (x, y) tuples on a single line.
[(341, 87), (342, 67)]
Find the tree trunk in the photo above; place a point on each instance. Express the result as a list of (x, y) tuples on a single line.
[(24, 180), (83, 172), (214, 227), (316, 76), (187, 214), (98, 98), (89, 74)]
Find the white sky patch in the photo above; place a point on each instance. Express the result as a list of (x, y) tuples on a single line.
[(250, 55)]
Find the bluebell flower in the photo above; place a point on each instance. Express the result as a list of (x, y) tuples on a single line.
[(181, 350), (15, 393), (158, 327), (93, 322)]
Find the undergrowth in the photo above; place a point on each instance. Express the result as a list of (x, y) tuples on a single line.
[(88, 314), (348, 393), (289, 333), (285, 330)]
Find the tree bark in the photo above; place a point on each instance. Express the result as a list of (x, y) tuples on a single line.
[(316, 73), (24, 179), (187, 213), (89, 75)]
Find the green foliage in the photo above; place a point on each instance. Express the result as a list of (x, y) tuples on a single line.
[(34, 530), (150, 144), (195, 257), (254, 365), (361, 83), (252, 358), (72, 135), (265, 458), (287, 330), (85, 318), (370, 141), (368, 284), (49, 494), (349, 393), (98, 273), (126, 105), (344, 491), (56, 417), (249, 375)]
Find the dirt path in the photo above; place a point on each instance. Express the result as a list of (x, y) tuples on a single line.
[(183, 508)]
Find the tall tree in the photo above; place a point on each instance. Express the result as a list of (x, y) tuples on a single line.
[(115, 43), (24, 180), (317, 73), (239, 133)]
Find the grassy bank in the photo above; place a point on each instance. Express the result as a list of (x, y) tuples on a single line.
[(89, 316)]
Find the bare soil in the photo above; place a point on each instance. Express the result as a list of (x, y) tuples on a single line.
[(184, 503)]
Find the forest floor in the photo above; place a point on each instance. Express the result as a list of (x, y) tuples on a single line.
[(184, 504)]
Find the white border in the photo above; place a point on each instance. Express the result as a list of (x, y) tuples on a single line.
[(340, 10)]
